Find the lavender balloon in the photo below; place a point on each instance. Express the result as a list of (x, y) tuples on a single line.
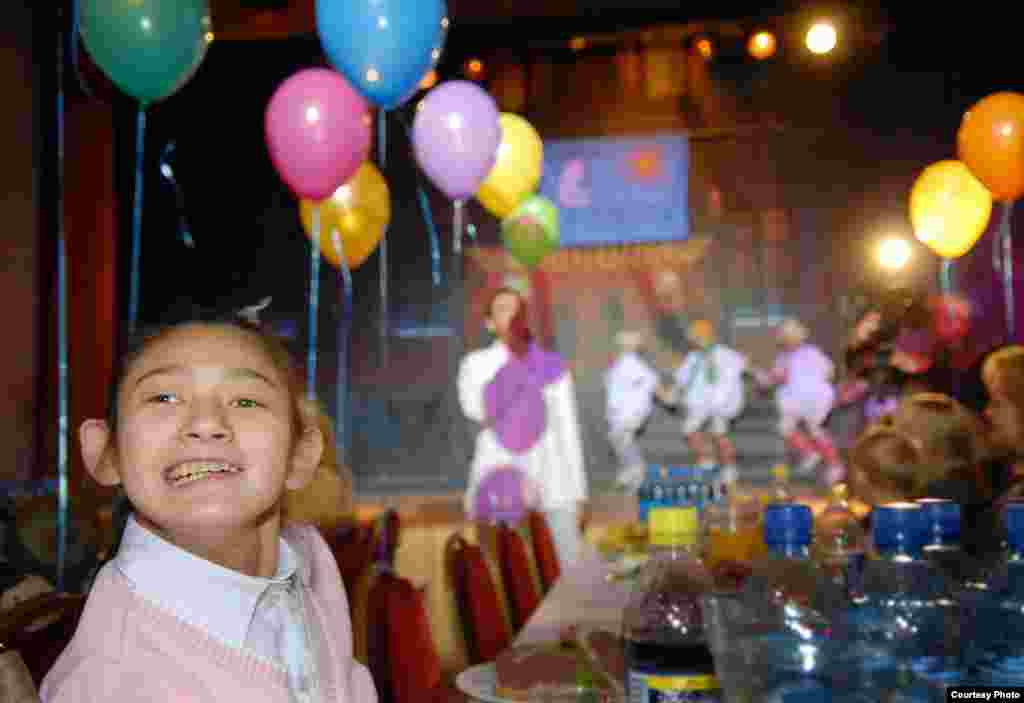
[(455, 137), (504, 495)]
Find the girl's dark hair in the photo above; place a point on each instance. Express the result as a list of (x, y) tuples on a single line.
[(191, 314), (504, 290)]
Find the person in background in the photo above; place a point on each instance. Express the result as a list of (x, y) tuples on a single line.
[(630, 386), (931, 446), (209, 597), (804, 394), (709, 384), (1002, 373), (523, 400)]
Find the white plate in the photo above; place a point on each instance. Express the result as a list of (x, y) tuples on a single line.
[(479, 682)]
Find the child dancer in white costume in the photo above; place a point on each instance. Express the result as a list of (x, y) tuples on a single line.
[(709, 383), (630, 386), (804, 394)]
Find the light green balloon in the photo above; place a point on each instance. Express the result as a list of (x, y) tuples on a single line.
[(148, 48), (531, 232)]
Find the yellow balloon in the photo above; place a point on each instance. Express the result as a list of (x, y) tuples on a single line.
[(517, 169), (358, 212), (949, 208)]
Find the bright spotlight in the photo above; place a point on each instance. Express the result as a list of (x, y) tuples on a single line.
[(761, 45), (894, 253), (821, 38)]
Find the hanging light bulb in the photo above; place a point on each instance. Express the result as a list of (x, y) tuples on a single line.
[(821, 38), (705, 47)]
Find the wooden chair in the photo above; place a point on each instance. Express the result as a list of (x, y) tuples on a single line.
[(544, 550), (484, 620), (517, 575), (40, 628), (415, 666)]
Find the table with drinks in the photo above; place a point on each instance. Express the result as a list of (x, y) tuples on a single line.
[(756, 598)]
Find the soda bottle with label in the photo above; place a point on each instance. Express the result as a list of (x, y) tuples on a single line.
[(667, 654)]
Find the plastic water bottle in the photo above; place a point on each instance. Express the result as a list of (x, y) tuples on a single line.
[(942, 547), (909, 604), (840, 544), (792, 593), (999, 621), (666, 647)]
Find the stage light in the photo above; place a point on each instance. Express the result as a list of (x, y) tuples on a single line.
[(761, 45), (577, 43), (705, 48), (821, 38), (475, 68), (429, 80), (894, 254)]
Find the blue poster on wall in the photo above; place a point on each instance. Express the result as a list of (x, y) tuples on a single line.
[(618, 190)]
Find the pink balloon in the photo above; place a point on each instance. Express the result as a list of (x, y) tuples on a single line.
[(455, 136), (318, 132)]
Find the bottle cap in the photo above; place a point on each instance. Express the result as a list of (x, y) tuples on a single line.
[(1014, 518), (788, 523), (899, 527), (943, 517), (673, 526)]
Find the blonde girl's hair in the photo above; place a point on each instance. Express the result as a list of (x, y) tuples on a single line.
[(890, 461), (1006, 365)]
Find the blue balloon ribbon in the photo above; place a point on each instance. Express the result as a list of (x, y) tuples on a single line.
[(428, 219), (314, 304), (341, 411), (946, 276), (136, 259), (62, 327), (1006, 233)]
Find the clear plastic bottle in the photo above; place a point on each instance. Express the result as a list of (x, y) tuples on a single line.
[(790, 595), (840, 544), (780, 491), (942, 547), (667, 654), (998, 623), (909, 604)]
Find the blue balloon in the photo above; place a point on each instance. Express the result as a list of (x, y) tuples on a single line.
[(383, 47)]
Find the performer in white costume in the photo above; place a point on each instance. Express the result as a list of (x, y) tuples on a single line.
[(630, 386), (804, 395), (709, 383), (524, 400)]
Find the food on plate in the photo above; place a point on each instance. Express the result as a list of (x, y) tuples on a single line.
[(584, 660)]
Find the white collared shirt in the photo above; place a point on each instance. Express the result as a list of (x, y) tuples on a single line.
[(265, 616)]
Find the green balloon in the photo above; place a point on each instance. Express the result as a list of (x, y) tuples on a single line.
[(148, 48), (531, 232)]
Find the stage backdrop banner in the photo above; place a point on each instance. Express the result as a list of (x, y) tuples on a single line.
[(622, 190)]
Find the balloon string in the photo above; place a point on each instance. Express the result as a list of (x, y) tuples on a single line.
[(457, 228), (136, 260), (385, 313), (946, 276), (428, 218), (1007, 238), (76, 28), (344, 340), (62, 326), (314, 304), (455, 297), (435, 244)]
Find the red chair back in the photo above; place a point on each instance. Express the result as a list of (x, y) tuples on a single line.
[(544, 550), (353, 552), (377, 633), (517, 575), (413, 660), (483, 618), (385, 539)]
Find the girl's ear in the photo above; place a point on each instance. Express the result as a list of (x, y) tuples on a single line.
[(308, 451), (99, 452)]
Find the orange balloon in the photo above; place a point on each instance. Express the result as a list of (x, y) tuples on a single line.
[(991, 142), (949, 208), (357, 213)]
